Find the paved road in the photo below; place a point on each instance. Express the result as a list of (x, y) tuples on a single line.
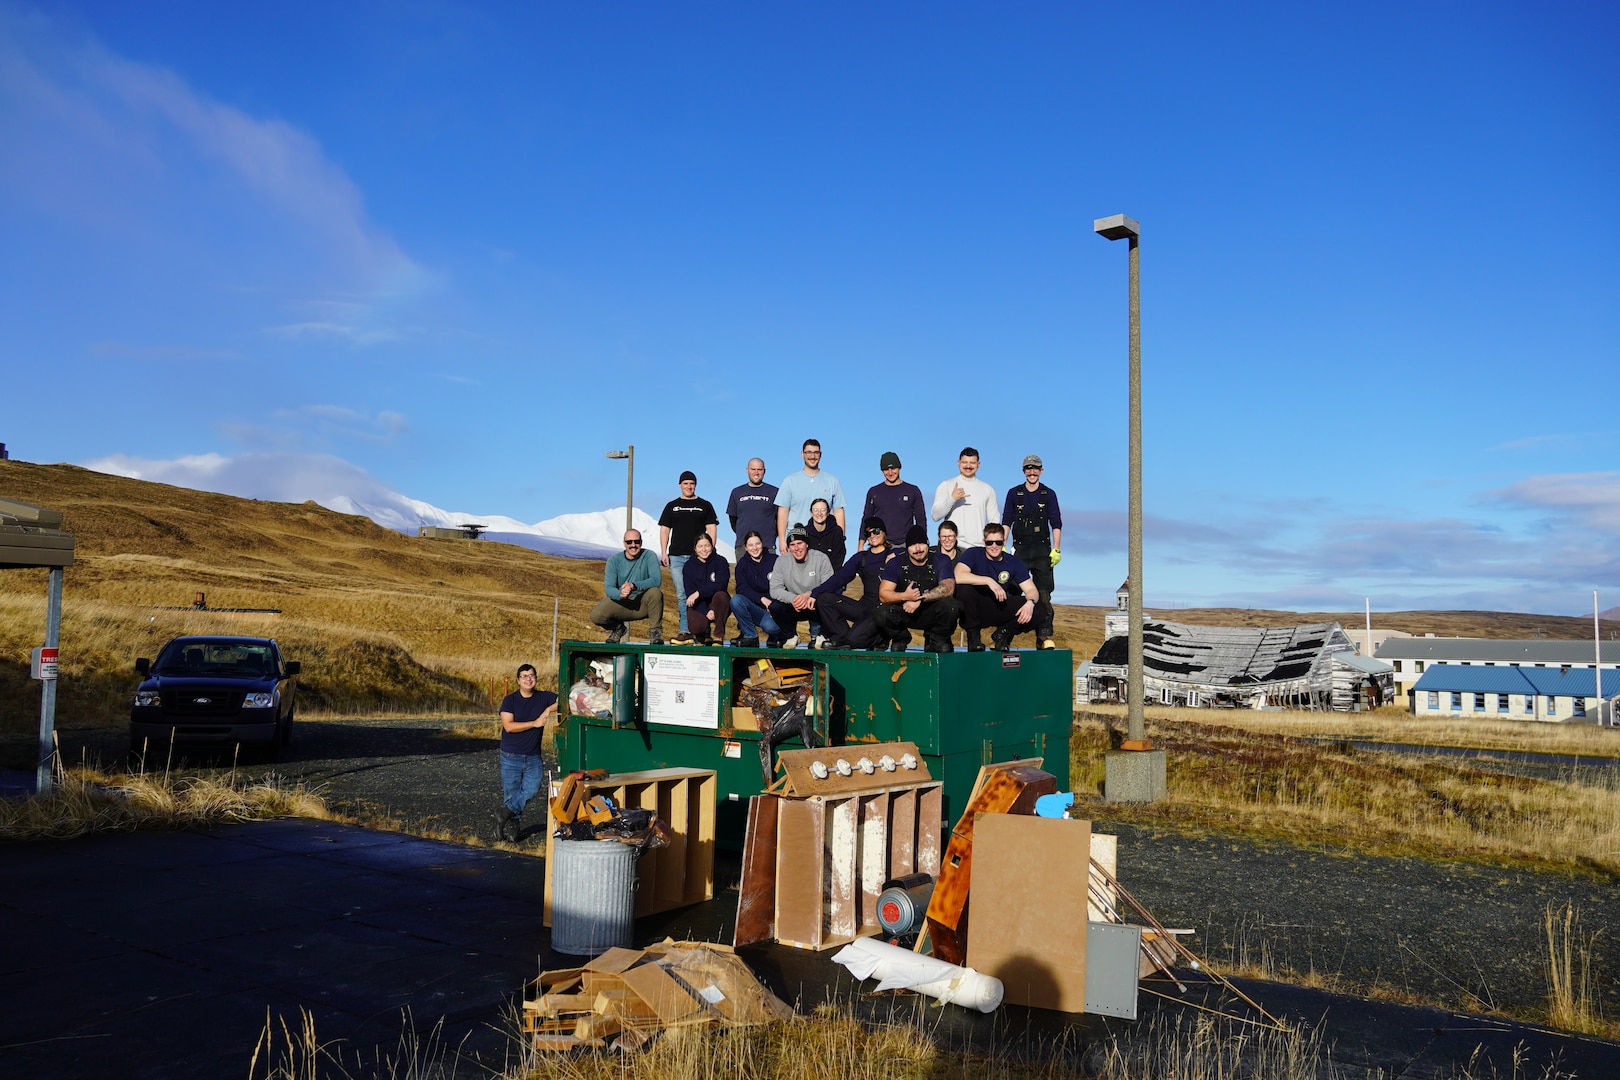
[(161, 954), (1462, 934)]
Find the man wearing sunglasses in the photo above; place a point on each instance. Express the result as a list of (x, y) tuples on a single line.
[(633, 589), (996, 590)]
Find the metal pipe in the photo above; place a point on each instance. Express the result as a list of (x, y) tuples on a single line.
[(47, 689), (1137, 723)]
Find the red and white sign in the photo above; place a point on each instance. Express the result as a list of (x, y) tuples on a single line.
[(42, 665)]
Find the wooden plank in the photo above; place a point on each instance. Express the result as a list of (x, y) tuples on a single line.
[(873, 857), (615, 960), (700, 839), (1029, 925), (796, 763), (756, 891), (674, 804), (799, 871), (663, 992), (903, 833), (843, 839), (930, 829), (1105, 852)]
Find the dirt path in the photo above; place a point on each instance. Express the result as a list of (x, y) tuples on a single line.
[(1462, 934)]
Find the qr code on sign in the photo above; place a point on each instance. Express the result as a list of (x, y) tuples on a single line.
[(680, 697)]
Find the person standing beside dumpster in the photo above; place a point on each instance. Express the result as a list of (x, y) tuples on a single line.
[(966, 500), (633, 589), (1032, 513), (917, 594), (525, 712), (684, 519)]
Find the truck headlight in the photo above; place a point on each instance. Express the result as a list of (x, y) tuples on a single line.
[(147, 699), (258, 701)]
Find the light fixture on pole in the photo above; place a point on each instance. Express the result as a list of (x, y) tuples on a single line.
[(1136, 772), (629, 484)]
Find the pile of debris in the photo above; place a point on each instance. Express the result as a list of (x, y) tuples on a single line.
[(625, 997), (580, 815)]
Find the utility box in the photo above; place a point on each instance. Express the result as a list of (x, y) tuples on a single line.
[(676, 707)]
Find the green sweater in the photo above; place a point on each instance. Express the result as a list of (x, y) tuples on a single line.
[(642, 572)]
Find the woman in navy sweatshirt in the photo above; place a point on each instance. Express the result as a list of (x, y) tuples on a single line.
[(707, 576)]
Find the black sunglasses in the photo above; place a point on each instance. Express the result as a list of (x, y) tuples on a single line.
[(632, 543)]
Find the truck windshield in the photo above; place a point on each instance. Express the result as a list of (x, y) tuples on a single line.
[(216, 658)]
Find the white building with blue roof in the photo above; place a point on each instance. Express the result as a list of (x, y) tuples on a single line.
[(1561, 694)]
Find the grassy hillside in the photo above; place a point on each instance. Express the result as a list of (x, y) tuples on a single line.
[(381, 621)]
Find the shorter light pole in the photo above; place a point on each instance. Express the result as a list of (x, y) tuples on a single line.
[(629, 484)]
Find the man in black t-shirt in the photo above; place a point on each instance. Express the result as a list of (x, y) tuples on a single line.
[(682, 522), (524, 715)]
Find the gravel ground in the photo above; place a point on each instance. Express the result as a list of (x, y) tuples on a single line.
[(1461, 934)]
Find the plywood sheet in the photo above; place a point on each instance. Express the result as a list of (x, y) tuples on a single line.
[(1029, 908), (797, 764), (756, 892)]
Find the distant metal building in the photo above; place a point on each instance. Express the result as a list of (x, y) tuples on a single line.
[(1560, 694), (1312, 666), (1412, 656)]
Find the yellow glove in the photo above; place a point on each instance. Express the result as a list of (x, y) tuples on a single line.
[(1057, 557)]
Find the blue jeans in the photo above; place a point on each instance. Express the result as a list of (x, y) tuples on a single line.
[(521, 778), (677, 567), (751, 619)]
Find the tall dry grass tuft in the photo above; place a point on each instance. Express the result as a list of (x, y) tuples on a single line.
[(1206, 1047), (1571, 1003), (85, 800)]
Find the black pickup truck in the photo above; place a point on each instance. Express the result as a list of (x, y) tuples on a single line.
[(214, 692)]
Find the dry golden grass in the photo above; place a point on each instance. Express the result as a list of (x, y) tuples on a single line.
[(1572, 999), (86, 800), (1394, 725), (832, 1043), (1259, 783)]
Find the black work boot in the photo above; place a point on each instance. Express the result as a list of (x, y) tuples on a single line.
[(975, 643), (1002, 638)]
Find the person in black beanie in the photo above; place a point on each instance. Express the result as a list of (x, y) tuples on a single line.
[(917, 592)]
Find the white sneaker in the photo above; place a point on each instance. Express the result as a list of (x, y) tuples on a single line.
[(791, 643), (820, 642)]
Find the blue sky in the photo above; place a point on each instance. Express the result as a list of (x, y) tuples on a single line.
[(459, 251)]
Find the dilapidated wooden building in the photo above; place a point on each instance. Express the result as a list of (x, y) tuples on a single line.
[(1311, 666)]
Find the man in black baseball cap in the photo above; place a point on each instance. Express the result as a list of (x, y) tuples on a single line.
[(917, 591)]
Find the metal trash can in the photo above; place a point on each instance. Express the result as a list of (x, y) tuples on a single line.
[(593, 896)]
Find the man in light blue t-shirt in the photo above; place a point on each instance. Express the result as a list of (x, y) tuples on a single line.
[(801, 489)]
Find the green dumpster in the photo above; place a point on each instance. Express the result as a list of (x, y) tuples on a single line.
[(673, 707)]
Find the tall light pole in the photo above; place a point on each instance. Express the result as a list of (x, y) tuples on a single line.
[(629, 484), (1139, 775)]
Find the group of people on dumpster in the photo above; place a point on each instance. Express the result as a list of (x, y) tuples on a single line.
[(791, 567)]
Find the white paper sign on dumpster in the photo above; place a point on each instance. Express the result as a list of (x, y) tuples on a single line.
[(681, 689)]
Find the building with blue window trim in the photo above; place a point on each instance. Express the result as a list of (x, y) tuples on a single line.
[(1561, 694)]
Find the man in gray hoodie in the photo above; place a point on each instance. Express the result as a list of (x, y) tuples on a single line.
[(793, 582)]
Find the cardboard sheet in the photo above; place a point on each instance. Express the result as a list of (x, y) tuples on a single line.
[(1028, 925)]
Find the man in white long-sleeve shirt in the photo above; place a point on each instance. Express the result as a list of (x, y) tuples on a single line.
[(966, 501)]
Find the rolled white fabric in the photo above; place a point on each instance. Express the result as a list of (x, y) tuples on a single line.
[(901, 969)]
